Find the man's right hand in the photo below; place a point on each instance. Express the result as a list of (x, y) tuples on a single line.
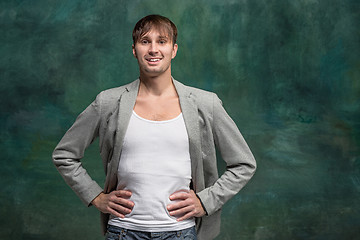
[(116, 203)]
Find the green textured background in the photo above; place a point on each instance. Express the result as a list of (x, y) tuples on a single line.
[(287, 71)]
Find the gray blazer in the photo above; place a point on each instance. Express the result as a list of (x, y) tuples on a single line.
[(208, 127)]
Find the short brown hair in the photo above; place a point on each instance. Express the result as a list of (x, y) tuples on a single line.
[(160, 23)]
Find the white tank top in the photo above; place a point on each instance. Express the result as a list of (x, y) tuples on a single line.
[(155, 162)]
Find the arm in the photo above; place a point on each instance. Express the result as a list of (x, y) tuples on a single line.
[(240, 163), (71, 148), (67, 159)]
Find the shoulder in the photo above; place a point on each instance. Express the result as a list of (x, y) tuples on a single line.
[(108, 99), (199, 96), (200, 93), (115, 93)]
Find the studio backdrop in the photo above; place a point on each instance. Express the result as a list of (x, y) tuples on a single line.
[(287, 72)]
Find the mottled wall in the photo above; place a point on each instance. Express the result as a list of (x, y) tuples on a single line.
[(287, 72)]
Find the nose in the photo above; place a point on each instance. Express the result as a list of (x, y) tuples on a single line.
[(153, 48)]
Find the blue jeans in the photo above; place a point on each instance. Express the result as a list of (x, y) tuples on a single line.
[(117, 233)]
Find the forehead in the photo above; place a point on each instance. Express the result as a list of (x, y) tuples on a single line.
[(154, 33)]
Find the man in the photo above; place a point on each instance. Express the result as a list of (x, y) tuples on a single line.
[(157, 140)]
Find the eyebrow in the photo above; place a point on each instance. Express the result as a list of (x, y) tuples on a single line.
[(160, 37)]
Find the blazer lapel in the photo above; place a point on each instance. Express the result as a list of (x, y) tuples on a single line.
[(191, 117), (126, 106)]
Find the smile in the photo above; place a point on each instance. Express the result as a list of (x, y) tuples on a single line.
[(153, 59)]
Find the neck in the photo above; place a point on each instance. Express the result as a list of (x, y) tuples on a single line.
[(156, 86)]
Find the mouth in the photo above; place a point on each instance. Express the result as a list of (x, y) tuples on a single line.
[(153, 60)]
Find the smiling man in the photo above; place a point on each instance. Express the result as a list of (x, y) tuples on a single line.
[(158, 140)]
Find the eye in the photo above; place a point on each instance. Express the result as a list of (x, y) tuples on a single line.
[(162, 41), (144, 41)]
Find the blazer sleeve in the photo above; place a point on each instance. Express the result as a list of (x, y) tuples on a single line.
[(240, 162), (70, 150)]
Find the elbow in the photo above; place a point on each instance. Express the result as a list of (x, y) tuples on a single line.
[(252, 166), (59, 158), (247, 168), (54, 157), (57, 155)]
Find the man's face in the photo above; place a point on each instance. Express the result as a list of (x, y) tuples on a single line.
[(154, 52)]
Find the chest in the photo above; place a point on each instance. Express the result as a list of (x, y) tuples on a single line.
[(150, 144), (158, 109)]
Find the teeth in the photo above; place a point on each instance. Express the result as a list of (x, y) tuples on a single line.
[(154, 59)]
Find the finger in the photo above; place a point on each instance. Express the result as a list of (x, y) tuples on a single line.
[(177, 205), (181, 211), (186, 216), (179, 196), (119, 208), (124, 202), (123, 193), (121, 197), (181, 191), (115, 213)]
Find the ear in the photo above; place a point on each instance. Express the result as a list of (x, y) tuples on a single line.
[(174, 51), (134, 51)]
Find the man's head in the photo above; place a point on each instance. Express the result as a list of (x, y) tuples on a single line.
[(154, 45), (154, 22)]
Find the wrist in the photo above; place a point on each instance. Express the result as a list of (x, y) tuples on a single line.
[(202, 205), (96, 199)]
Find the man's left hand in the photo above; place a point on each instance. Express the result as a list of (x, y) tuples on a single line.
[(188, 205)]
